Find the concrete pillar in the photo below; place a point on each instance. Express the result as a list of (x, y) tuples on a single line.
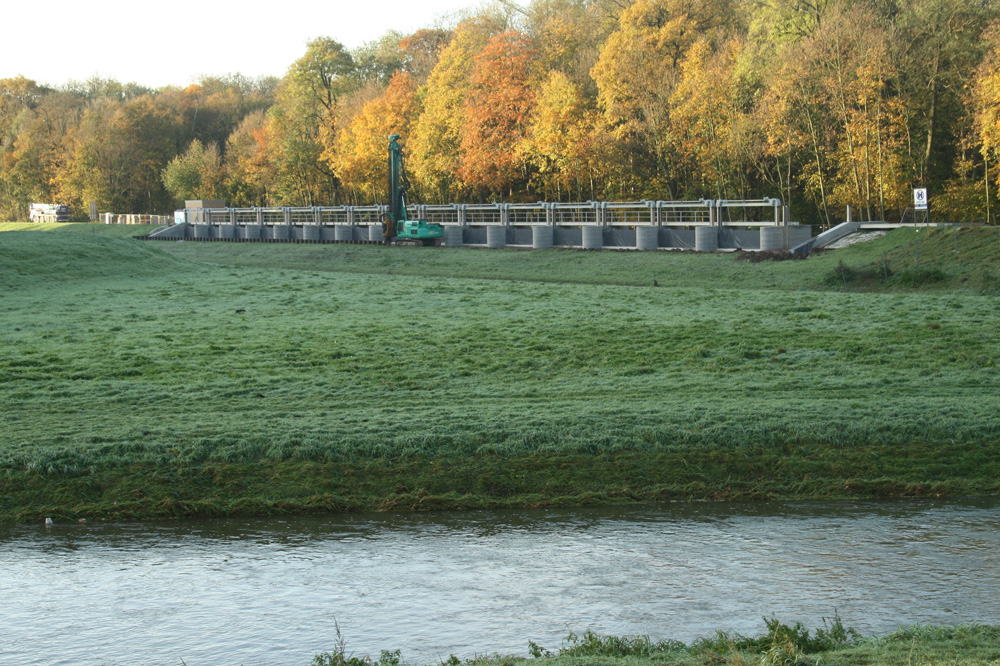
[(706, 239), (771, 238), (593, 237), (454, 236), (496, 236), (647, 238), (542, 236)]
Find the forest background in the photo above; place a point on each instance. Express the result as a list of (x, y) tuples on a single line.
[(824, 103)]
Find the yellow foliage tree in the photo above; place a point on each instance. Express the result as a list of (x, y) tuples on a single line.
[(986, 102), (435, 148), (704, 121), (359, 155), (560, 143), (639, 68)]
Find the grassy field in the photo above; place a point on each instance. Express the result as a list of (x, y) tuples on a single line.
[(165, 379), (780, 645)]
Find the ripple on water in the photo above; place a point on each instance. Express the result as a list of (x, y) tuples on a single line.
[(274, 591)]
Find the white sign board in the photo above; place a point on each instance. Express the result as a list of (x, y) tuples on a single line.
[(920, 198)]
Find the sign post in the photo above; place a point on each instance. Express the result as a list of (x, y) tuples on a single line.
[(920, 202)]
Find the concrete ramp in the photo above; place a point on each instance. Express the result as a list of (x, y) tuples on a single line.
[(828, 236), (175, 231)]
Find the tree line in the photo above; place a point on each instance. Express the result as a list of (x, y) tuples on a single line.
[(824, 103)]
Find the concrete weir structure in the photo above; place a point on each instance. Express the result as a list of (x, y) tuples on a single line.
[(706, 225)]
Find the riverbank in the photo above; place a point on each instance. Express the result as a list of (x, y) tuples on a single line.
[(174, 379), (782, 644)]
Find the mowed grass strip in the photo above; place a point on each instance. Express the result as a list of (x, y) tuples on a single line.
[(141, 382)]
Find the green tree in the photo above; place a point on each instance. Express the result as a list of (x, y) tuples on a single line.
[(302, 124), (197, 174), (941, 48)]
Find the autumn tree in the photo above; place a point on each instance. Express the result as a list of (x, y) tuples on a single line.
[(116, 154), (359, 156), (249, 170), (985, 103), (420, 52), (435, 147), (560, 143), (496, 115), (638, 70), (568, 35), (23, 134)]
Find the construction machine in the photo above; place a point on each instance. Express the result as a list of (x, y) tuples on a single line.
[(397, 224)]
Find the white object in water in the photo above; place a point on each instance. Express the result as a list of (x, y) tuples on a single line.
[(48, 522)]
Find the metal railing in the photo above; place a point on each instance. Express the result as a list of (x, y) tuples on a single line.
[(704, 212)]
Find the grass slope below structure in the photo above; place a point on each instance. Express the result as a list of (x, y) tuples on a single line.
[(930, 259), (136, 383)]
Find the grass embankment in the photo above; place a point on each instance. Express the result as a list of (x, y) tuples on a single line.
[(137, 380), (968, 645)]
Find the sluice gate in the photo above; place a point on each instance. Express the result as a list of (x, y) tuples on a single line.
[(705, 225)]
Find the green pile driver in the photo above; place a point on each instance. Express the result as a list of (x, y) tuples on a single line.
[(397, 225)]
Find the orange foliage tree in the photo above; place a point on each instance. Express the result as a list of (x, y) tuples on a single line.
[(497, 112)]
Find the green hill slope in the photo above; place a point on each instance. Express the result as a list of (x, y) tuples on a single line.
[(903, 260), (136, 381), (32, 258)]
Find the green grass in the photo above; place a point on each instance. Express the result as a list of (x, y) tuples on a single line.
[(966, 259), (781, 645), (165, 379)]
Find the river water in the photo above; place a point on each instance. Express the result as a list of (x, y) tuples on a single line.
[(273, 592)]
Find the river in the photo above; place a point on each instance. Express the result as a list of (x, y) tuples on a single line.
[(272, 592)]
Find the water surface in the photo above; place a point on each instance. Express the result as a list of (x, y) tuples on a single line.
[(272, 592)]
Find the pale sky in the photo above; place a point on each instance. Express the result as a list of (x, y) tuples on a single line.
[(173, 42)]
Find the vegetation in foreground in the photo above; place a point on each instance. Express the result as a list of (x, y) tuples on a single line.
[(139, 382), (782, 645)]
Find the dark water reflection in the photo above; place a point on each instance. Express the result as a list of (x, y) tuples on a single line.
[(270, 591)]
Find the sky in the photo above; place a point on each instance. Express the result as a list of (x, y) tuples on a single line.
[(174, 42)]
